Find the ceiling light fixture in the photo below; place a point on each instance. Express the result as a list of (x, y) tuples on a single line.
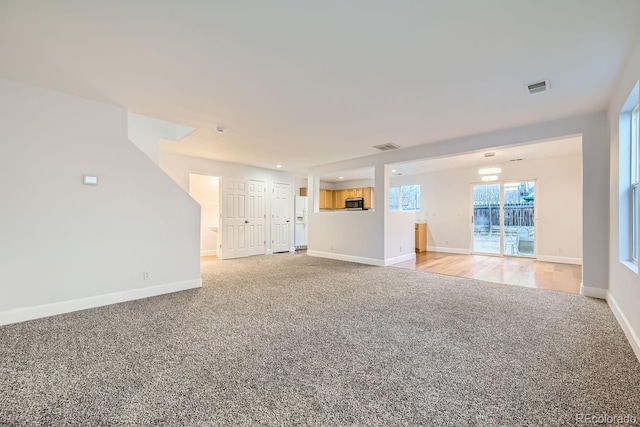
[(341, 177), (279, 166), (220, 129), (489, 171), (394, 170), (490, 178)]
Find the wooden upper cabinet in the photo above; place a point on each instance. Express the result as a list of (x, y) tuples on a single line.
[(367, 194), (354, 192), (326, 199), (339, 198)]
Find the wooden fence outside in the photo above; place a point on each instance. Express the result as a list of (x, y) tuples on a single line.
[(487, 216)]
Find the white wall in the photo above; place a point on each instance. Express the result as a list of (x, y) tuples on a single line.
[(446, 205), (356, 183), (595, 162), (68, 246), (179, 167), (400, 238), (145, 132), (205, 190), (624, 284)]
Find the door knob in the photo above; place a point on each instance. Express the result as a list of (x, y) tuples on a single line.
[(246, 222)]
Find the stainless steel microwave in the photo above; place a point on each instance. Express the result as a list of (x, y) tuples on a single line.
[(354, 204)]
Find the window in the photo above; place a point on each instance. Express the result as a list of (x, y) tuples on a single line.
[(633, 184), (405, 198)]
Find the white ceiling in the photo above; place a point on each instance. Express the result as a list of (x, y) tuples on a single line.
[(308, 83), (503, 155)]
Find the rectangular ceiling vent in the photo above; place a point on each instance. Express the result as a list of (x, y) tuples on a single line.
[(537, 87), (386, 147)]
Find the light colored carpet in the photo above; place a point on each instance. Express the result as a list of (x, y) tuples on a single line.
[(296, 340)]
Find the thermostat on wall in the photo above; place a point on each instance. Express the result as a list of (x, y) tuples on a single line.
[(89, 180)]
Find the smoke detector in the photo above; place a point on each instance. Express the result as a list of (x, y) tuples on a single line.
[(386, 147), (537, 87)]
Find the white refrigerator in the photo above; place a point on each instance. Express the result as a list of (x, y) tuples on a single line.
[(300, 231)]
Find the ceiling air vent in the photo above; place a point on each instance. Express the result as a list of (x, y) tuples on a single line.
[(537, 87), (386, 147)]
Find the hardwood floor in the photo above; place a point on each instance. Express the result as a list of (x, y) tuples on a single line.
[(512, 271)]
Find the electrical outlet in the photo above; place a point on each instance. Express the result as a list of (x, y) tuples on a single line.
[(146, 275), (400, 248), (446, 242)]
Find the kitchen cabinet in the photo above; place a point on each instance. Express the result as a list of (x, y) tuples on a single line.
[(339, 198), (367, 194), (421, 237), (326, 199), (354, 192)]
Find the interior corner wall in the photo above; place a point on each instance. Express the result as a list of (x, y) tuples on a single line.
[(624, 284), (68, 246), (178, 167)]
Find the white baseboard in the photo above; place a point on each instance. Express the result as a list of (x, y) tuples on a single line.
[(593, 292), (632, 335), (448, 250), (401, 258), (209, 252), (560, 259), (350, 258), (45, 310)]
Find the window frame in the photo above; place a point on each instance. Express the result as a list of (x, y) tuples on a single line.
[(399, 198), (634, 176)]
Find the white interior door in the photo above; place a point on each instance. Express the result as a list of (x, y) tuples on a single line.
[(234, 220), (256, 217), (280, 217)]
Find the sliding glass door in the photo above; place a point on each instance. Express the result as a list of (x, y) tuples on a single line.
[(519, 218), (504, 218), (486, 219)]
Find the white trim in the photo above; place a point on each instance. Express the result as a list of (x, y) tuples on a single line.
[(209, 252), (350, 258), (401, 258), (448, 250), (560, 259), (632, 335), (593, 292), (45, 310)]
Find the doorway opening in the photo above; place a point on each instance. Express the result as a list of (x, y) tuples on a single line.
[(205, 189)]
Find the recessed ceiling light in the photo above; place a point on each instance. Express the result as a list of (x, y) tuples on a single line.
[(341, 177), (220, 129), (278, 166), (490, 178), (394, 170), (488, 171)]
